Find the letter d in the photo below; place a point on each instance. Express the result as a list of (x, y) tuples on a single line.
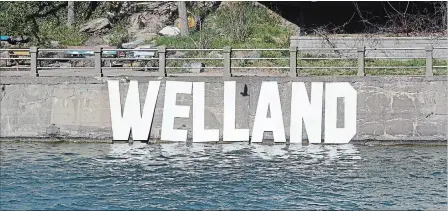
[(333, 91)]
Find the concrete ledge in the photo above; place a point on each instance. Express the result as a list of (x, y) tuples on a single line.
[(372, 42), (390, 109), (210, 79)]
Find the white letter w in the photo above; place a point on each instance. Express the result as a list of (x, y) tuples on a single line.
[(132, 118)]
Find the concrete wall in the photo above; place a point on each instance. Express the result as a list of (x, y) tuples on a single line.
[(373, 42), (389, 108)]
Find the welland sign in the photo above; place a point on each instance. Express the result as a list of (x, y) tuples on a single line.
[(303, 107)]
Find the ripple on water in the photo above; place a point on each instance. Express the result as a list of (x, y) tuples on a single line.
[(226, 176)]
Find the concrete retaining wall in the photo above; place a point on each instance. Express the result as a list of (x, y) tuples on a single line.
[(389, 108), (373, 42)]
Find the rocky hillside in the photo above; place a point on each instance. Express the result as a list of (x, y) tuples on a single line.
[(130, 24)]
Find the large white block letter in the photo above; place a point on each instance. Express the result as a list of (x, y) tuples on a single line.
[(229, 131), (132, 118), (310, 112), (269, 99), (335, 135), (199, 133), (171, 111)]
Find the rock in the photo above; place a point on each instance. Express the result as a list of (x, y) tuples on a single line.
[(153, 43), (55, 44), (197, 67), (157, 15), (61, 54), (106, 38), (145, 65), (4, 54), (95, 25), (247, 54), (4, 44), (205, 6), (144, 35), (178, 54), (169, 31), (83, 63), (132, 44), (161, 7), (61, 64), (135, 22), (148, 22), (94, 41), (214, 54), (148, 64)]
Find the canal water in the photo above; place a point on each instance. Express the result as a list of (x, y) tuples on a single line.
[(67, 176)]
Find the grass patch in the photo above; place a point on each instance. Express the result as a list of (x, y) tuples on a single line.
[(67, 36), (118, 35), (239, 25), (409, 67)]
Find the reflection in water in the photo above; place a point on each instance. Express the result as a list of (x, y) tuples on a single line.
[(221, 176), (138, 150)]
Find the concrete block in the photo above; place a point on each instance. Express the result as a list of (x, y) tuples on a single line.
[(399, 127)]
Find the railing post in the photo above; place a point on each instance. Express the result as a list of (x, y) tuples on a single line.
[(33, 62), (162, 60), (429, 54), (227, 51), (361, 60), (98, 63), (293, 61)]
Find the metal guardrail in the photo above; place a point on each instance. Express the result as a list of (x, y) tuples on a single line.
[(227, 68)]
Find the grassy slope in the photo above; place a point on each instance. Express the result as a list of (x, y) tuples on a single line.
[(241, 25)]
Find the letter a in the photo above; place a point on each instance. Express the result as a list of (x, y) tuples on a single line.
[(268, 99)]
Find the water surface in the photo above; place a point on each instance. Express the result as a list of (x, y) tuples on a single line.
[(226, 176)]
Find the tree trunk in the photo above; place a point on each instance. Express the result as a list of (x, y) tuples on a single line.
[(183, 18), (70, 13)]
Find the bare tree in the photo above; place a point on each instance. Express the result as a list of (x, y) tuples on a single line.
[(402, 22), (183, 18), (410, 20), (70, 13)]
